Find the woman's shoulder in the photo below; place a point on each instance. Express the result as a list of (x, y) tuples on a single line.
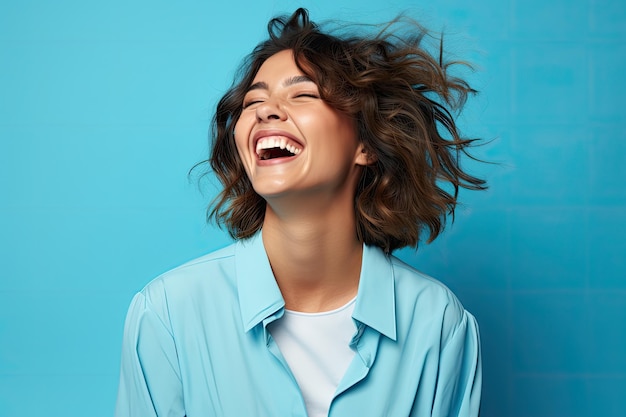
[(413, 280), (205, 274), (422, 294)]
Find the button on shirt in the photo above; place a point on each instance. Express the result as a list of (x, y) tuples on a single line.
[(196, 344)]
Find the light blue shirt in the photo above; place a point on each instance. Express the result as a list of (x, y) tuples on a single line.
[(196, 344)]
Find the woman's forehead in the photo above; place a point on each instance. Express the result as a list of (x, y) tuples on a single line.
[(281, 68)]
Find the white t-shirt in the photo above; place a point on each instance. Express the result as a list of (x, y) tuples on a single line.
[(316, 347)]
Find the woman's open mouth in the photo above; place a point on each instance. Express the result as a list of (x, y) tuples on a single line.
[(272, 147)]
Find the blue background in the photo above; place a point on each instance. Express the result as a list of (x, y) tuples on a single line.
[(104, 106)]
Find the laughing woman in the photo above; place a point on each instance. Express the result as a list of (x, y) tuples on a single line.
[(334, 150)]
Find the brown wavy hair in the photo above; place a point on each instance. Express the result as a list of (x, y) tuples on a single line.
[(403, 99)]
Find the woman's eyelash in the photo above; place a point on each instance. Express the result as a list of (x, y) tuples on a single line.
[(311, 95), (247, 104)]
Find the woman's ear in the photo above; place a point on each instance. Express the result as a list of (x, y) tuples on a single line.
[(365, 157)]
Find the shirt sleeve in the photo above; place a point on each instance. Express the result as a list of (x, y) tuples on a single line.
[(150, 381), (460, 375)]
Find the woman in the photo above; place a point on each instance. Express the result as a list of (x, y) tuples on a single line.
[(332, 154)]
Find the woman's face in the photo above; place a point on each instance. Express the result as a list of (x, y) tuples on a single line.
[(289, 140)]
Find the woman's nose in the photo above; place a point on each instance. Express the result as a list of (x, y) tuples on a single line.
[(270, 110)]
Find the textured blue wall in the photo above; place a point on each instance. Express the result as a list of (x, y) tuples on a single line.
[(105, 106)]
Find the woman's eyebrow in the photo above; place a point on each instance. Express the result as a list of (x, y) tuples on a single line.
[(262, 85), (297, 79)]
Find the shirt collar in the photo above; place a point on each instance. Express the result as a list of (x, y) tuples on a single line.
[(376, 302), (260, 297)]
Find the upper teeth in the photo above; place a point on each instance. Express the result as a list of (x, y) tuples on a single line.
[(270, 142)]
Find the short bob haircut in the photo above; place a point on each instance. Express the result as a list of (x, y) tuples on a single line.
[(402, 99)]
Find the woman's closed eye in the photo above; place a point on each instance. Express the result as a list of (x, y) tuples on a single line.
[(251, 102), (257, 100), (307, 95)]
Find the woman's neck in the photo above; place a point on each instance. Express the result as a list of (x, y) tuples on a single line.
[(316, 259)]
